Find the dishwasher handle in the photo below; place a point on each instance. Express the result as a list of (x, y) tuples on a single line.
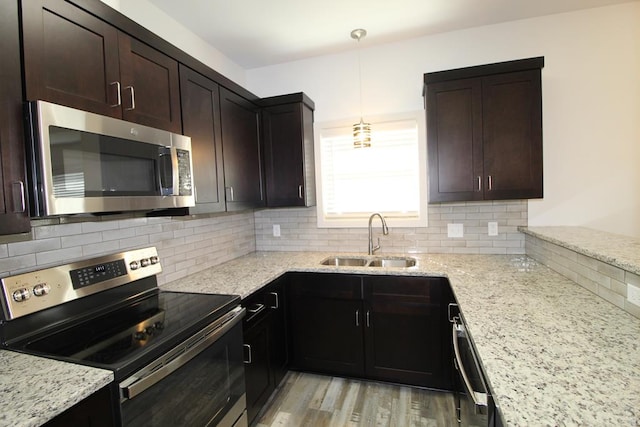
[(179, 356), (479, 398)]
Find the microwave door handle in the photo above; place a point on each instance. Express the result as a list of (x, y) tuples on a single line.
[(175, 171), (479, 399)]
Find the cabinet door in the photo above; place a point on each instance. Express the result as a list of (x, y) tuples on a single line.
[(200, 99), (406, 331), (275, 300), (512, 135), (258, 379), (454, 140), (150, 86), (326, 323), (242, 157), (14, 216), (70, 57), (288, 133), (94, 411)]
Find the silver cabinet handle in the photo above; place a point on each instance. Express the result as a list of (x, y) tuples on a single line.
[(368, 317), (479, 183), (133, 98), (277, 297), (357, 317), (248, 347), (490, 183), (23, 205), (118, 94), (299, 191), (254, 311), (230, 191), (479, 399)]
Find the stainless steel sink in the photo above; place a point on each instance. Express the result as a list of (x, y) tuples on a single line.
[(393, 262), (345, 261), (383, 262)]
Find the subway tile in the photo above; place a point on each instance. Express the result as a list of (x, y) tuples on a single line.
[(4, 250), (58, 256), (33, 246), (102, 248), (57, 230), (614, 298), (81, 239), (10, 265), (92, 227)]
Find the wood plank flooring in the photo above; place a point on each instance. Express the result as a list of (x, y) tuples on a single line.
[(323, 401)]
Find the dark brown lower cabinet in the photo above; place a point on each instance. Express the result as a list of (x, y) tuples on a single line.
[(265, 344), (388, 328), (94, 411), (406, 330)]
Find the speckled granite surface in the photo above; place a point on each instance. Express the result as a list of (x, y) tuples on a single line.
[(34, 390), (555, 353), (614, 249)]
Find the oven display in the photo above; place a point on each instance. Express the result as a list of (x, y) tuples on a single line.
[(97, 273)]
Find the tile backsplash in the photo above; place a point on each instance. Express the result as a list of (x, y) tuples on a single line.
[(190, 244), (299, 231), (185, 244)]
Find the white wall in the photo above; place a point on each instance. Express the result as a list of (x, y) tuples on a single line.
[(158, 22), (591, 100)]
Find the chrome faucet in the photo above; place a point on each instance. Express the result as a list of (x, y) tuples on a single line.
[(385, 231)]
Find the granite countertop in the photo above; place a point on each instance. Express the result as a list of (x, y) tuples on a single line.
[(34, 390), (555, 354), (618, 250)]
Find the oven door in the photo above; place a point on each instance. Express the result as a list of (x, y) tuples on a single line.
[(198, 383)]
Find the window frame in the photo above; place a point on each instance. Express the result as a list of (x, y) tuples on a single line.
[(357, 221)]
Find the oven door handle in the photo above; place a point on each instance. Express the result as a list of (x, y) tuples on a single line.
[(179, 356), (479, 398)]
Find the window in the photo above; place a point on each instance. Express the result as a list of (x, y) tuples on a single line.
[(389, 177)]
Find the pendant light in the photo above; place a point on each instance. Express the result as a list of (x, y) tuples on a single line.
[(362, 130)]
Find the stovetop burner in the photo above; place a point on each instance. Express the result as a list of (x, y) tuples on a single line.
[(120, 328)]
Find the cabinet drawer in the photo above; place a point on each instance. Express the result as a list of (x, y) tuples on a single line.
[(327, 285), (424, 289)]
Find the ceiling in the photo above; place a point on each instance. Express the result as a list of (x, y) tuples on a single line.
[(256, 33)]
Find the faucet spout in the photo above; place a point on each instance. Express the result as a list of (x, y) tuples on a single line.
[(385, 231)]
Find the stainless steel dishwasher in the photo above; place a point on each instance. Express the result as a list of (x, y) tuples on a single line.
[(474, 403)]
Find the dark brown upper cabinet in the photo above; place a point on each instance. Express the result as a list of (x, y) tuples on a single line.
[(76, 59), (14, 217), (287, 131), (240, 128), (484, 132), (200, 99)]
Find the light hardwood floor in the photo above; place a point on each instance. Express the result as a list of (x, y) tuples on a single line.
[(323, 401)]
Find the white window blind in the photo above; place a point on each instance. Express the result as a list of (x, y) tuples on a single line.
[(387, 177)]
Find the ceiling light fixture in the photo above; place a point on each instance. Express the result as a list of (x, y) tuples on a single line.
[(362, 130)]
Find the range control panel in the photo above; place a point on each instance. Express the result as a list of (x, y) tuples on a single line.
[(30, 292)]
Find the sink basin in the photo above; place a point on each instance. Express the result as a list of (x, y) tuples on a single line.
[(393, 262), (390, 262), (345, 261)]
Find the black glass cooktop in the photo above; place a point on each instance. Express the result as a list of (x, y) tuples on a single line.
[(141, 330)]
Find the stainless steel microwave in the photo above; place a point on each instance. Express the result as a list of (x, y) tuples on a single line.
[(80, 162)]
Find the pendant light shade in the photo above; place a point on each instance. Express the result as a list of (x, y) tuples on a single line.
[(362, 130), (361, 134)]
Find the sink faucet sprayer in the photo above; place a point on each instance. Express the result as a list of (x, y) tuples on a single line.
[(385, 231)]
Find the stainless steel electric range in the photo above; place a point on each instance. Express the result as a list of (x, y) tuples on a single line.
[(176, 357)]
